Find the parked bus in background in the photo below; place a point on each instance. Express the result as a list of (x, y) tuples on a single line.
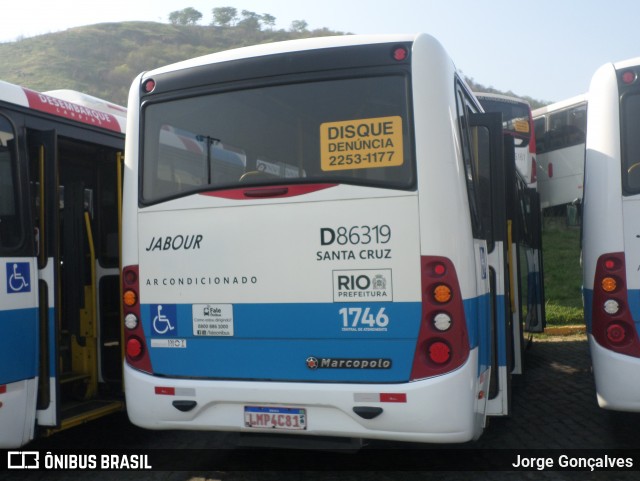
[(311, 246), (560, 132), (528, 298), (59, 256), (517, 122), (611, 234)]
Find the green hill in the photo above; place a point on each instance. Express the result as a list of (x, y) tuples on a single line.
[(103, 59)]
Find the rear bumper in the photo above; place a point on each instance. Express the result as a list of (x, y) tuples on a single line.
[(438, 410), (617, 378)]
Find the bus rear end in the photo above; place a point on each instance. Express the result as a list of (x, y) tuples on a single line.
[(610, 238), (275, 272)]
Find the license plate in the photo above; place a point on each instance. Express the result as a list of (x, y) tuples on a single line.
[(275, 418)]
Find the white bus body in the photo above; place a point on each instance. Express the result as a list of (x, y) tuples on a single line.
[(59, 258), (302, 252), (610, 250), (560, 134)]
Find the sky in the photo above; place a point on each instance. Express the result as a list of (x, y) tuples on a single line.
[(544, 49)]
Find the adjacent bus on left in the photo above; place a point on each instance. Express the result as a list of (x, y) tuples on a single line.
[(60, 364)]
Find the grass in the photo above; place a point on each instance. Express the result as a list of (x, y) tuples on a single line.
[(562, 272)]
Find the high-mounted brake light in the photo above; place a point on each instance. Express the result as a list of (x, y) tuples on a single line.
[(148, 86), (628, 77), (400, 53)]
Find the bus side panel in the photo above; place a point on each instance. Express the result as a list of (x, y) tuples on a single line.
[(19, 354), (602, 211)]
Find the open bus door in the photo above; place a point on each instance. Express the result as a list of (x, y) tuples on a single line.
[(526, 277), (19, 319), (74, 187), (493, 193)]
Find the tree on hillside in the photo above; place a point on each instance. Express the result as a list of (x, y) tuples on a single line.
[(250, 20), (299, 26), (224, 16), (268, 20), (186, 16)]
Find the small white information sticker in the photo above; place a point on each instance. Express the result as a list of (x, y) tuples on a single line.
[(179, 343), (212, 319)]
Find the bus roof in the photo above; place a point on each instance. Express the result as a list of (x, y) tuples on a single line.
[(285, 47), (559, 105), (508, 98), (84, 111)]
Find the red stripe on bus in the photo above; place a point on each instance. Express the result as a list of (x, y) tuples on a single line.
[(69, 110), (269, 191)]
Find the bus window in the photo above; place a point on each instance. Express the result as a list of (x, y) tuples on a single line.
[(10, 223), (560, 135), (187, 149)]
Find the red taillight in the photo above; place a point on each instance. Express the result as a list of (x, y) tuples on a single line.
[(616, 333), (3, 388), (134, 339), (611, 323), (550, 170), (439, 352), (134, 348), (443, 343), (534, 170)]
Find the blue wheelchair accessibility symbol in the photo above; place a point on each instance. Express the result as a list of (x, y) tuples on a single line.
[(18, 277), (165, 318)]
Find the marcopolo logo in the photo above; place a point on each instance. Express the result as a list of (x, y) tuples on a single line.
[(363, 285), (340, 363)]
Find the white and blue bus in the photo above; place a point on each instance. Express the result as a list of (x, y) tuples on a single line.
[(611, 234), (316, 242), (61, 360)]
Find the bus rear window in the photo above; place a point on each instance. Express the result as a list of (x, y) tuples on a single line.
[(631, 143), (340, 131), (515, 117)]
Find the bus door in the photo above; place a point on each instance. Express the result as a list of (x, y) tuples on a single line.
[(492, 195), (531, 259), (71, 177), (45, 207), (18, 298)]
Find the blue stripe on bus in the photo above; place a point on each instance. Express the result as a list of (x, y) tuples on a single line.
[(20, 341), (273, 341), (587, 295)]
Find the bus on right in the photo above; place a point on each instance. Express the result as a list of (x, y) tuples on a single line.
[(611, 234)]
